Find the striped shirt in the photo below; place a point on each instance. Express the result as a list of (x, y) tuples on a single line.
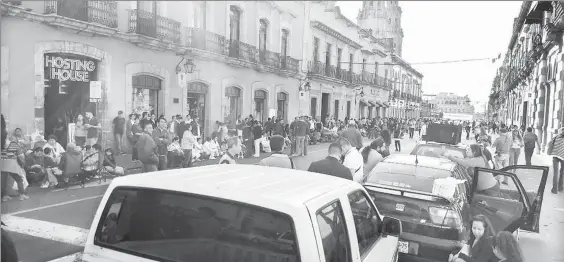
[(558, 148)]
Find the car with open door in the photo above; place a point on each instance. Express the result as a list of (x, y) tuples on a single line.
[(519, 203)]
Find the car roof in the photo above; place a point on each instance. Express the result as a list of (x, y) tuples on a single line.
[(429, 143), (253, 184), (422, 161)]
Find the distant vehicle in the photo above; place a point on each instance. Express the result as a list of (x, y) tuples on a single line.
[(239, 213), (436, 219)]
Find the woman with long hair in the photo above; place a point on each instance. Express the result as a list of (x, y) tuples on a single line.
[(371, 155), (506, 248), (487, 184), (480, 243), (516, 145)]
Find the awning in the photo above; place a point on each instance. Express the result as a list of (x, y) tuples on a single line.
[(371, 103), (386, 104), (378, 104), (363, 101)]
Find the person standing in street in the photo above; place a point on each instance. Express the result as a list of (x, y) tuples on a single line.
[(92, 127), (530, 139), (187, 144), (515, 150), (423, 132), (233, 149), (118, 126), (398, 133), (354, 135), (502, 146), (352, 159), (163, 138), (386, 136), (556, 150), (331, 165), (147, 149), (301, 128), (277, 158), (372, 155), (411, 128), (257, 135)]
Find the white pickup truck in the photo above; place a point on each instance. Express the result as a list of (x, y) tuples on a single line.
[(239, 213)]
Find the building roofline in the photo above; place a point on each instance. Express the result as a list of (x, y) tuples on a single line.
[(519, 22)]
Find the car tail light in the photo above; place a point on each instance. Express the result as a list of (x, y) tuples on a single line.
[(445, 217)]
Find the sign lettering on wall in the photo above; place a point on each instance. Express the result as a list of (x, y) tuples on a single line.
[(65, 69)]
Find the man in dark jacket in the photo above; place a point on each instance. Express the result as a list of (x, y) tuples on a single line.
[(354, 134), (332, 165), (163, 138), (147, 149)]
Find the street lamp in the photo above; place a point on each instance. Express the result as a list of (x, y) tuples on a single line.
[(187, 68)]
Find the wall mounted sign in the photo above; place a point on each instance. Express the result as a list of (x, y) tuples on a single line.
[(65, 69), (95, 90)]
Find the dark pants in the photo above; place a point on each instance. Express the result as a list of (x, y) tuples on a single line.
[(398, 145), (187, 158), (528, 155), (16, 178), (163, 159), (467, 135), (411, 131)]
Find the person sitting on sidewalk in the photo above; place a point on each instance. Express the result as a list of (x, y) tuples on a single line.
[(175, 154), (110, 164), (51, 168), (55, 147), (277, 158), (70, 163), (34, 163), (233, 148)]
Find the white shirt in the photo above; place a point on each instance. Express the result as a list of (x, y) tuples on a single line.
[(353, 161), (423, 129)]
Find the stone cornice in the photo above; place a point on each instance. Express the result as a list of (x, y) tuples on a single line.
[(326, 29), (403, 63)]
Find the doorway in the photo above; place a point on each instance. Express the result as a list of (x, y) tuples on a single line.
[(196, 103), (233, 106), (324, 106), (67, 92), (282, 106), (313, 107), (349, 109), (146, 91), (260, 105), (336, 109), (525, 116)]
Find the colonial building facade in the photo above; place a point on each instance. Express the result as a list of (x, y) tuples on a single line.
[(217, 61), (451, 103), (105, 56), (528, 87)]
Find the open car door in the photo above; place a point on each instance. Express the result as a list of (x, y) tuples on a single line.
[(512, 205)]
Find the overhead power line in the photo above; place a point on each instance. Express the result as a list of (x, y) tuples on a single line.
[(433, 62)]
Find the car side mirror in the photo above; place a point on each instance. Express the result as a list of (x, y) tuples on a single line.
[(391, 226)]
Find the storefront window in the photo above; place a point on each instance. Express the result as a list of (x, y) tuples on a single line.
[(196, 102), (232, 106), (282, 99), (260, 105), (146, 94)]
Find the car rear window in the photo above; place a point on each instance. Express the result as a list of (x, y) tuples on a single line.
[(436, 151), (171, 226)]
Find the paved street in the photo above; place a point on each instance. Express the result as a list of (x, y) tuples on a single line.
[(55, 224)]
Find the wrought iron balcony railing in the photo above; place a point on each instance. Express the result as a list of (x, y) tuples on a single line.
[(204, 40), (100, 12), (155, 26)]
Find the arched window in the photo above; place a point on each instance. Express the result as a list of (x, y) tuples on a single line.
[(262, 34)]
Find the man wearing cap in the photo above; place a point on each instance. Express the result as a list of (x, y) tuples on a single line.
[(277, 158), (332, 164), (352, 158)]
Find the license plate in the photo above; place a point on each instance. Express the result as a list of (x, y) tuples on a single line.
[(403, 247)]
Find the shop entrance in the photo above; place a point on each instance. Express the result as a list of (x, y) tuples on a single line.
[(67, 91), (233, 106), (146, 91), (349, 109), (324, 106), (313, 107), (282, 106), (336, 113), (196, 102), (260, 105)]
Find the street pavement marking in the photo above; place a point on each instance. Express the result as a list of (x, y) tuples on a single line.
[(46, 230), (69, 258), (54, 205)]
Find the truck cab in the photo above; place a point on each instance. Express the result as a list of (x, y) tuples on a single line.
[(239, 213)]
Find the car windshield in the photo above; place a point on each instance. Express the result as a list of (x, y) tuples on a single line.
[(184, 227), (436, 151)]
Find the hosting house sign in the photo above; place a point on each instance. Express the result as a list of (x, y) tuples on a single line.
[(65, 69)]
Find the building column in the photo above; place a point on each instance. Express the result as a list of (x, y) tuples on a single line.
[(540, 101)]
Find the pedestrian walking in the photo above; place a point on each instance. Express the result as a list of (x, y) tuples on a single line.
[(92, 129), (233, 149), (277, 158), (398, 133), (354, 135), (257, 135), (516, 145), (502, 146), (556, 150), (386, 136), (147, 149), (331, 165), (530, 139), (118, 127)]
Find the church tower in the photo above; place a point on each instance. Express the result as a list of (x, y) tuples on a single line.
[(384, 19)]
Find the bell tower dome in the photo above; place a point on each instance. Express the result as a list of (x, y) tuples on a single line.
[(384, 18)]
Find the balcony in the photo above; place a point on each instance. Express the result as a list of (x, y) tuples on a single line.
[(99, 12), (219, 45), (151, 25)]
